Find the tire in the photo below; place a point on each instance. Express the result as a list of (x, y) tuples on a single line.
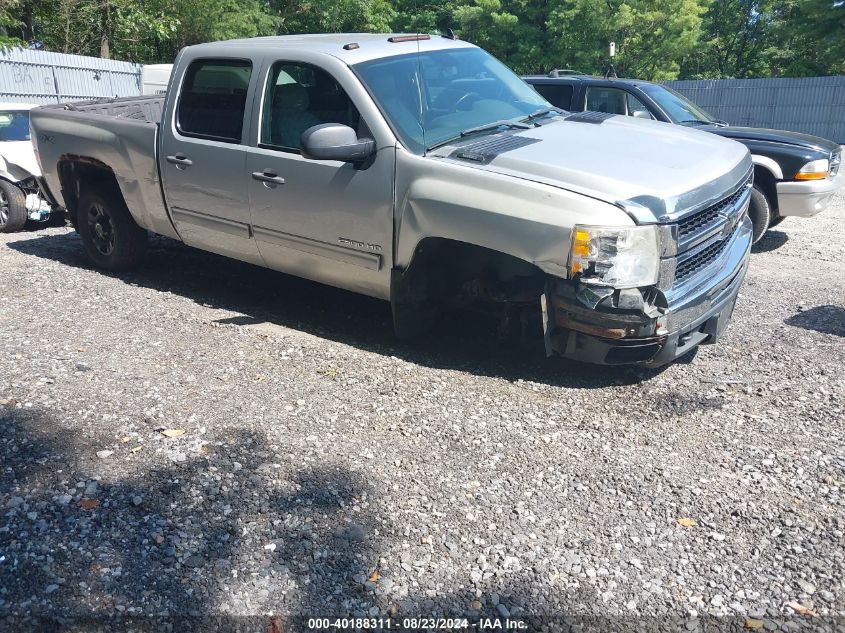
[(12, 207), (57, 218), (777, 219), (109, 234), (760, 212)]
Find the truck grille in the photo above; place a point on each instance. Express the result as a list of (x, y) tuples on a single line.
[(704, 236), (835, 162), (702, 259), (703, 220)]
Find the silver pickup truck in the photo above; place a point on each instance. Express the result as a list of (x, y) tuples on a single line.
[(420, 170)]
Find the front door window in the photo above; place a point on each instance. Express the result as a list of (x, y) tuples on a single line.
[(300, 96)]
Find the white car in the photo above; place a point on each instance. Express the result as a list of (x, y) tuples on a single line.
[(21, 198)]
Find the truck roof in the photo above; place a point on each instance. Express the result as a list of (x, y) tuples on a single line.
[(369, 45)]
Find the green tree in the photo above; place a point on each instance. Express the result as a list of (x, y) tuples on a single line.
[(149, 31), (11, 27), (808, 38), (653, 37), (735, 39), (332, 16)]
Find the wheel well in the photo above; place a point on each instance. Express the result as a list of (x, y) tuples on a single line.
[(767, 183), (444, 271), (77, 173)]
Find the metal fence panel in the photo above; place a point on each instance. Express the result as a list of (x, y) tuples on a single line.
[(813, 105), (30, 76)]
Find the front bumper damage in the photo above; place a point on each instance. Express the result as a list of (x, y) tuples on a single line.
[(645, 327)]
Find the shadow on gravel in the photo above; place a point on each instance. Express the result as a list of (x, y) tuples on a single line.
[(771, 241), (236, 526), (265, 296), (824, 319), (174, 539)]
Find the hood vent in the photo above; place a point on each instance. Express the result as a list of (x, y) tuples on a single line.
[(485, 151), (590, 117)]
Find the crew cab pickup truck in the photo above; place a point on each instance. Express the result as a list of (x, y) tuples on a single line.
[(420, 170), (794, 174)]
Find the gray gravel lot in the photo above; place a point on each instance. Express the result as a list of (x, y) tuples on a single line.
[(326, 469)]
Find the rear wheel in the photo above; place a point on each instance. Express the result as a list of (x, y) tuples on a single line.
[(12, 208), (760, 212), (110, 236)]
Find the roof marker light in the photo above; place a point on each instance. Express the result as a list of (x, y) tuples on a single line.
[(408, 38), (351, 46)]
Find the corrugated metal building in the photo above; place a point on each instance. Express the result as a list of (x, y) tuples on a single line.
[(30, 76), (814, 105)]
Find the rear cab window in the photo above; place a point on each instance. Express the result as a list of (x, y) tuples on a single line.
[(212, 102)]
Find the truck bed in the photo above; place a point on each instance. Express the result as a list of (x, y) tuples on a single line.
[(119, 134), (147, 108)]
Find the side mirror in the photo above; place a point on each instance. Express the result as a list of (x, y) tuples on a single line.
[(642, 114), (333, 141)]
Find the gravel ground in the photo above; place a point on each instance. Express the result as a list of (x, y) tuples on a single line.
[(201, 436)]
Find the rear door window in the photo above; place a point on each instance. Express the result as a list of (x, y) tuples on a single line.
[(559, 95), (212, 102)]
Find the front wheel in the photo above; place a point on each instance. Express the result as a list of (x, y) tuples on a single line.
[(12, 207), (760, 212), (110, 236), (776, 220)]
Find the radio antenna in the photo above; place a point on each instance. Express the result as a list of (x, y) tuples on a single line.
[(420, 95)]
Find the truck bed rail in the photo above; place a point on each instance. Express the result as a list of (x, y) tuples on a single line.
[(147, 108)]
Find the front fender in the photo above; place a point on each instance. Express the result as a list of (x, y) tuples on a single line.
[(531, 221)]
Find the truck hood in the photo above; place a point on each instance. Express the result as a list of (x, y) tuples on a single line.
[(657, 172), (784, 137)]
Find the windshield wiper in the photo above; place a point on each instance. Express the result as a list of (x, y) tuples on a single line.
[(494, 125), (542, 113), (487, 127), (697, 121)]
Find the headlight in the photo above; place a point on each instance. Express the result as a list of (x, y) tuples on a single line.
[(814, 170), (617, 257)]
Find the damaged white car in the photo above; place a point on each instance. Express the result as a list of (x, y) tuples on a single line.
[(21, 198)]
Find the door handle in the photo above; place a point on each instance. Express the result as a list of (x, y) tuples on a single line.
[(268, 176), (180, 160)]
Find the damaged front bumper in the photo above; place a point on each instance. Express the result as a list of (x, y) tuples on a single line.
[(650, 327)]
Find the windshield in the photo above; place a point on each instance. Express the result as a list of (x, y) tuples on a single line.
[(14, 125), (435, 95), (676, 106)]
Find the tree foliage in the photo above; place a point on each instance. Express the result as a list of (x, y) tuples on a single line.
[(655, 39)]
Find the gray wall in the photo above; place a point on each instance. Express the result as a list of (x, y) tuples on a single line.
[(814, 105), (30, 76)]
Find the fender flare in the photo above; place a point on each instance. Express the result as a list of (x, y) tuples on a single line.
[(769, 164)]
